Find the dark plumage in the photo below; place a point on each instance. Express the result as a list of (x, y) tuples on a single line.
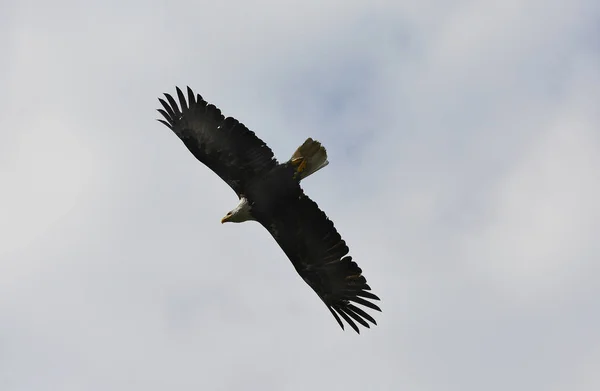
[(270, 192)]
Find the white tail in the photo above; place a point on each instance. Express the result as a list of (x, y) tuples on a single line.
[(309, 158)]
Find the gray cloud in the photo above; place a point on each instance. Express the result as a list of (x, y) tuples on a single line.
[(463, 145)]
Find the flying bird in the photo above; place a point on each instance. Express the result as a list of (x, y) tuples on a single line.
[(270, 193)]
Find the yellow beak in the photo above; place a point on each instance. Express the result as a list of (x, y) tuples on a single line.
[(224, 219)]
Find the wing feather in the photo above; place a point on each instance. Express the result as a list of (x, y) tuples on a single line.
[(362, 313), (368, 295), (347, 319), (356, 317), (360, 300), (336, 317)]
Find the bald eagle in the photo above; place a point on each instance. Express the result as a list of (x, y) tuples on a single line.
[(270, 193)]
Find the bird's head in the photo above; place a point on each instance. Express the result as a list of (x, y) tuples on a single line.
[(227, 217), (240, 214)]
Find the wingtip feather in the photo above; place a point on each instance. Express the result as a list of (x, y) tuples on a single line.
[(336, 317), (191, 99), (347, 319), (182, 101)]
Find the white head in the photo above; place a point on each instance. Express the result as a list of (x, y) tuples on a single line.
[(240, 214)]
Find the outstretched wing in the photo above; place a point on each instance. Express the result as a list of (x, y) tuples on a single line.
[(224, 145), (319, 255)]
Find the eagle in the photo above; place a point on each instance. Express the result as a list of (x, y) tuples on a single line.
[(269, 193)]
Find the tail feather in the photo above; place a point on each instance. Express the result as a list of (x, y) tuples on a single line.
[(309, 158)]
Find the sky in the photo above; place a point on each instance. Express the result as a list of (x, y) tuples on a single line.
[(463, 140)]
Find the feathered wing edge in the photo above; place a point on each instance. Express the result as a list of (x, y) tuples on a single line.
[(171, 111), (354, 290), (319, 254), (224, 145)]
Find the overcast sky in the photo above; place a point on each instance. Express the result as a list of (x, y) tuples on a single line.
[(464, 148)]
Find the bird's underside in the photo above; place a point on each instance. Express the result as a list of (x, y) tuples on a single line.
[(270, 193)]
